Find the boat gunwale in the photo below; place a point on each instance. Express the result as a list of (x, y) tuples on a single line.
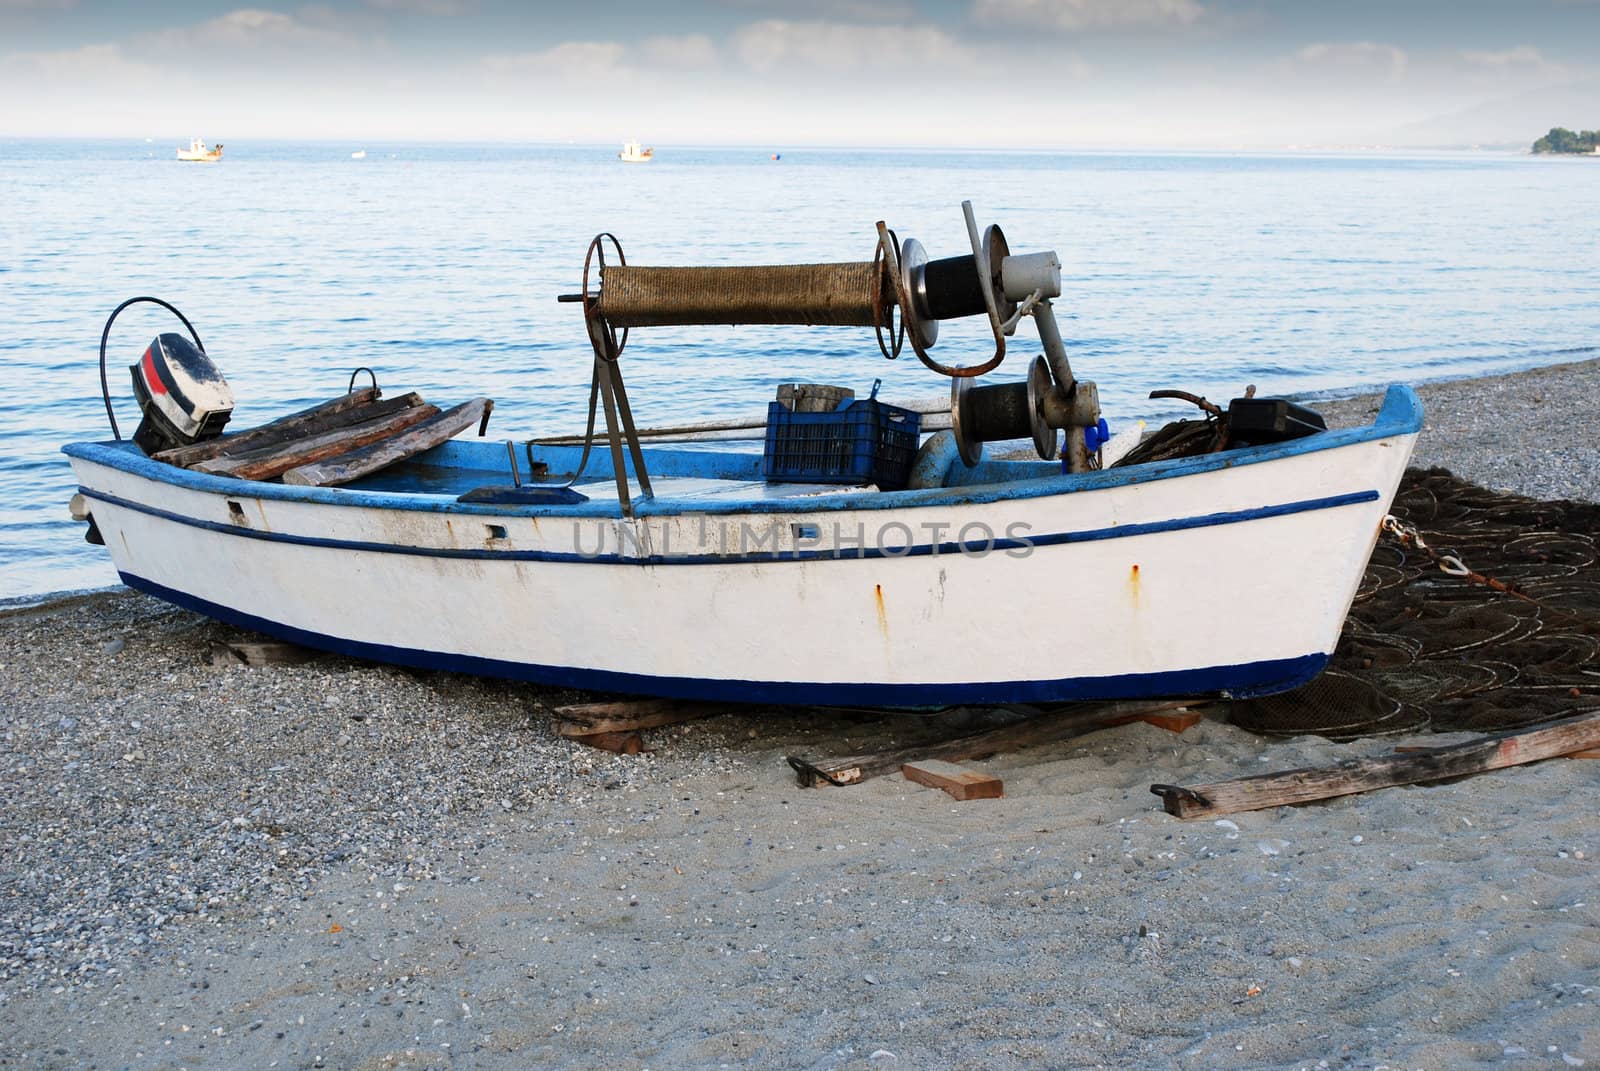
[(1400, 414)]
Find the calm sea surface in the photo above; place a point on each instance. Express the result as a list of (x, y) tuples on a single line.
[(438, 265)]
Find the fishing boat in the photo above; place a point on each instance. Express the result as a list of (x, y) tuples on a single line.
[(632, 153), (199, 154), (855, 561)]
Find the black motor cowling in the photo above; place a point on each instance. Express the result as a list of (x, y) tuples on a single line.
[(181, 393)]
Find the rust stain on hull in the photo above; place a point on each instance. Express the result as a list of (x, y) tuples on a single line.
[(883, 613), (1133, 585)]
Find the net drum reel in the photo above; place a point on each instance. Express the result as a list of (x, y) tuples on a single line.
[(990, 281)]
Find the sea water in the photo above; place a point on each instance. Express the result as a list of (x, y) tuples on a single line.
[(439, 265)]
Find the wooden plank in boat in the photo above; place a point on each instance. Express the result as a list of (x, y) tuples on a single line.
[(269, 462), (1495, 752), (307, 421), (425, 436), (957, 782)]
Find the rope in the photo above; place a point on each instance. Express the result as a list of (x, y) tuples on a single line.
[(837, 294)]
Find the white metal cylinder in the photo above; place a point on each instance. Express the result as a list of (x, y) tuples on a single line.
[(1024, 273)]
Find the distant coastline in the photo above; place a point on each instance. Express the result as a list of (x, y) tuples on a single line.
[(1569, 143)]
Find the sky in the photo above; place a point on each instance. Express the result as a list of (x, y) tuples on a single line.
[(1041, 74)]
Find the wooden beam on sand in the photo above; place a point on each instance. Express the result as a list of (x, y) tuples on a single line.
[(279, 458), (588, 719), (306, 421), (1073, 720), (1579, 733), (260, 653), (369, 459), (1591, 753), (621, 743), (955, 781), (1180, 720)]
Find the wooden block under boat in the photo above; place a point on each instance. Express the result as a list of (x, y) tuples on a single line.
[(958, 782)]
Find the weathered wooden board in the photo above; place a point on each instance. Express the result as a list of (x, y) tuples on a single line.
[(279, 458), (958, 782), (359, 463), (1174, 721), (1590, 753), (305, 421), (583, 719), (621, 743), (1070, 721), (1564, 737), (260, 653)]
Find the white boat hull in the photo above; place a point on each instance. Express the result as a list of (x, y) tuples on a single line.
[(1197, 576)]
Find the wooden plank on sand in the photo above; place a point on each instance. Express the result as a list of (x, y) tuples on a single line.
[(280, 430), (273, 460), (621, 743), (425, 436), (956, 781), (260, 653), (1495, 752), (585, 719), (1173, 721), (1073, 720), (1591, 753)]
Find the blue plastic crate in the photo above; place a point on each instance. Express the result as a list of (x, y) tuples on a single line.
[(865, 441)]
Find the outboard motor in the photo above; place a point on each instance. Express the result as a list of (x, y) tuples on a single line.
[(182, 395)]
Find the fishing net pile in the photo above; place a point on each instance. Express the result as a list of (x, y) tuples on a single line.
[(1426, 649)]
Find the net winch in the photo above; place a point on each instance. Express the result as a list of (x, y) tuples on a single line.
[(900, 293)]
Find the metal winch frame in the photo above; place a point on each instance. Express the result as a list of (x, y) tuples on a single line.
[(989, 281)]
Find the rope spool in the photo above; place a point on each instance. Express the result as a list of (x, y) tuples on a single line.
[(848, 294), (949, 289), (1004, 411)]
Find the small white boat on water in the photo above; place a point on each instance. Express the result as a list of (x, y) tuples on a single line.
[(798, 576), (359, 154), (199, 154), (632, 153)]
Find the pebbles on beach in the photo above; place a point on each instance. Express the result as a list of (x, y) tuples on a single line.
[(341, 864), (175, 789)]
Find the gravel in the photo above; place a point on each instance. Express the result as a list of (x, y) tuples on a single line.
[(1534, 433), (143, 785)]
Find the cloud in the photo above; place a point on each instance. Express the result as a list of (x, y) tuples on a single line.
[(248, 30), (1088, 14), (772, 45), (571, 58), (1523, 57), (424, 7), (846, 10), (1358, 58), (86, 64), (607, 59), (690, 51)]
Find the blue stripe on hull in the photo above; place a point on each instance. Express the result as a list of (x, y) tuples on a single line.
[(1048, 539), (1241, 681)]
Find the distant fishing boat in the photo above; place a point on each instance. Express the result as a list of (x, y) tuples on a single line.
[(632, 154), (199, 154), (359, 154)]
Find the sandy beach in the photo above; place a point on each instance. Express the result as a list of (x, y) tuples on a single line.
[(343, 865)]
